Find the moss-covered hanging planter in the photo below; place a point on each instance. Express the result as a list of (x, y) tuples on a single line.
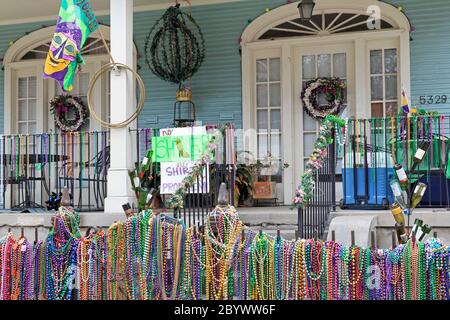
[(175, 47)]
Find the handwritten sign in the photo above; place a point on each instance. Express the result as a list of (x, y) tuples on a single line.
[(173, 173), (189, 131)]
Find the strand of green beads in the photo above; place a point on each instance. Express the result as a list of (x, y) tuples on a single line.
[(422, 273), (407, 270)]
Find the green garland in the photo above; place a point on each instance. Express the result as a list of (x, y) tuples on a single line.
[(304, 192), (176, 201)]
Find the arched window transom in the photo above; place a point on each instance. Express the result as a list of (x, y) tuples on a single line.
[(93, 46), (323, 24)]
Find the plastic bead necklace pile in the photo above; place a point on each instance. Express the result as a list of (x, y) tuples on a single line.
[(155, 257)]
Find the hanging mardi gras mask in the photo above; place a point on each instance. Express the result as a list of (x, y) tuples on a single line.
[(75, 22)]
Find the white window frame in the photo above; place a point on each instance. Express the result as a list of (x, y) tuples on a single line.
[(252, 46)]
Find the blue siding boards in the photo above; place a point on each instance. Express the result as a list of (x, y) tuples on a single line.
[(217, 86)]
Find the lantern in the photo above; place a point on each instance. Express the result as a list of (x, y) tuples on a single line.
[(306, 8)]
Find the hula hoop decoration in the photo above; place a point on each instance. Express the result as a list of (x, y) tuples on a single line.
[(60, 107), (333, 88), (175, 47), (116, 68)]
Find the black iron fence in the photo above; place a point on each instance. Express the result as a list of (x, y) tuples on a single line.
[(313, 220), (35, 167), (374, 146)]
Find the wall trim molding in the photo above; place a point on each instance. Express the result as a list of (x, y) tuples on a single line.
[(99, 13)]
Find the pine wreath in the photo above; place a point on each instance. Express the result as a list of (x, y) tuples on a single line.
[(60, 107), (333, 88), (175, 47)]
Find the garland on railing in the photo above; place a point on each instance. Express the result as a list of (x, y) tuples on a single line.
[(153, 257), (304, 193)]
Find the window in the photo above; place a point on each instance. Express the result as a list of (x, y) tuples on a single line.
[(26, 105), (383, 82), (268, 116)]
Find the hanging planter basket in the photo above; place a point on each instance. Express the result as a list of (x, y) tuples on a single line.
[(175, 47)]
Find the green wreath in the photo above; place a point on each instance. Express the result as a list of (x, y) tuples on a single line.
[(61, 105)]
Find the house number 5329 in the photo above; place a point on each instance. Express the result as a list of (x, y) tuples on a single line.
[(434, 99)]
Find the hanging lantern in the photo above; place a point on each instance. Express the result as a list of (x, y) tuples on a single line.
[(306, 8), (184, 108), (175, 47)]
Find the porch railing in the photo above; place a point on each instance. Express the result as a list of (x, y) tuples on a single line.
[(32, 167), (375, 145), (313, 220)]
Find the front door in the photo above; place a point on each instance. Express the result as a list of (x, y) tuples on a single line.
[(310, 63)]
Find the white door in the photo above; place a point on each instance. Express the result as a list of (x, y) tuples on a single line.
[(311, 63)]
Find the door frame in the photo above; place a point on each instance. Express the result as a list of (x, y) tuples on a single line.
[(290, 97)]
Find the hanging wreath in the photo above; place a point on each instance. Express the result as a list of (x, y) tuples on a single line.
[(175, 47), (60, 107), (333, 88)]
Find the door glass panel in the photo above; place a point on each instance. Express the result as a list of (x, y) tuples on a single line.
[(376, 88), (309, 124), (376, 62), (309, 139), (324, 65), (377, 110), (23, 128), (32, 87), (275, 143), (391, 109), (391, 87), (275, 120), (31, 109), (32, 128), (340, 65), (275, 74), (23, 110), (261, 95), (390, 60), (261, 70), (309, 67), (83, 84), (262, 121), (262, 146), (275, 95), (22, 88)]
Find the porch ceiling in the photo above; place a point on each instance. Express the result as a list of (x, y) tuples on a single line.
[(23, 11)]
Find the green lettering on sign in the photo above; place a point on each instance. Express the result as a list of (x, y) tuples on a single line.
[(179, 148)]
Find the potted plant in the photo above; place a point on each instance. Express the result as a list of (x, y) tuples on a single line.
[(245, 174)]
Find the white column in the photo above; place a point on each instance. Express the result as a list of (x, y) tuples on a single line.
[(122, 106)]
